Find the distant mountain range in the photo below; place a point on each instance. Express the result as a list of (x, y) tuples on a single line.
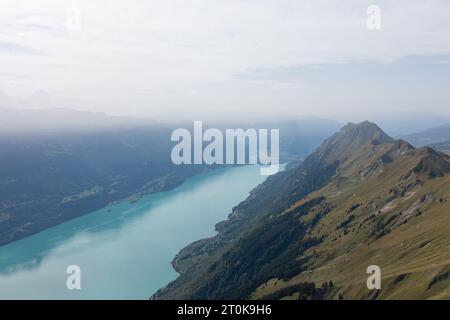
[(437, 137), (442, 147), (310, 232), (430, 136), (38, 100)]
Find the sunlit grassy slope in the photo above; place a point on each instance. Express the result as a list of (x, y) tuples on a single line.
[(360, 199), (387, 215)]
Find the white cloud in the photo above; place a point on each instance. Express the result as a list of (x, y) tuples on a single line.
[(151, 56)]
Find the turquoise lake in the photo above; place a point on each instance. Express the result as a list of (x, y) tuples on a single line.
[(124, 250)]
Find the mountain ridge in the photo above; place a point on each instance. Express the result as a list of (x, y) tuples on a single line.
[(357, 189)]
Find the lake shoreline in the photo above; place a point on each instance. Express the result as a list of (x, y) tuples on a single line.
[(143, 237)]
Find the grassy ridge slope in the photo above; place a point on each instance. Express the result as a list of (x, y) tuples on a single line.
[(361, 198)]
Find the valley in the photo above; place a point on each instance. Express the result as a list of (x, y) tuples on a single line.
[(84, 161)]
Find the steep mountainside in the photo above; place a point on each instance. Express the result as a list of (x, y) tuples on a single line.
[(360, 199), (49, 179)]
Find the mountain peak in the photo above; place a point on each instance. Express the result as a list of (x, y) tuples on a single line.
[(365, 132), (350, 140)]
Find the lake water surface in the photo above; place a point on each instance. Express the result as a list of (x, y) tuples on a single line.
[(124, 250)]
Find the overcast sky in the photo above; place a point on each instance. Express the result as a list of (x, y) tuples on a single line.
[(186, 59)]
